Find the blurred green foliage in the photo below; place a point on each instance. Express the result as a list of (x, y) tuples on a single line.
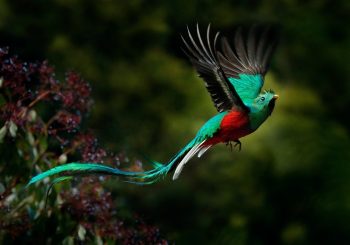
[(289, 185)]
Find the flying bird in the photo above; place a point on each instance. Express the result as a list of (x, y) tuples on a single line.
[(234, 77)]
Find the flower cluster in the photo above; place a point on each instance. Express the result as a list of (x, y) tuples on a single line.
[(92, 207), (42, 117), (24, 85), (90, 150)]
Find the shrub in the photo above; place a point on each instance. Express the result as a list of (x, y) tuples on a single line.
[(41, 127)]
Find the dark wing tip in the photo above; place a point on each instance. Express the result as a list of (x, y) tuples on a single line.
[(252, 49), (202, 52)]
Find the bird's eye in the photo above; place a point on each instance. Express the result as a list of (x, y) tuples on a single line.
[(262, 99)]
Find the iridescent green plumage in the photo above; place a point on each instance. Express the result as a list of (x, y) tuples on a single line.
[(233, 78), (247, 86), (73, 168), (144, 177)]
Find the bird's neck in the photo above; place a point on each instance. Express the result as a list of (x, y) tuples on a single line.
[(257, 117)]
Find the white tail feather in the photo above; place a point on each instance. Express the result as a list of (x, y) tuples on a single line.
[(187, 157), (203, 150)]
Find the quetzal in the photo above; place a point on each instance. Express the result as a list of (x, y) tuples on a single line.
[(233, 78)]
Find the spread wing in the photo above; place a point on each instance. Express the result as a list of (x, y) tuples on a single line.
[(203, 57), (247, 63)]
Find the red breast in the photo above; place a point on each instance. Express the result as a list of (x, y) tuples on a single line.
[(233, 126)]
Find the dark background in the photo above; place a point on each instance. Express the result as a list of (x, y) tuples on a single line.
[(289, 184)]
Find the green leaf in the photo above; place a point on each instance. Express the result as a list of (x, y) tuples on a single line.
[(13, 129), (98, 240), (42, 144), (81, 232), (3, 132), (31, 139), (32, 115), (62, 158), (68, 240), (2, 188)]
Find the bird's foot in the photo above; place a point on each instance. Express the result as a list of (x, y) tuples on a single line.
[(229, 143), (238, 143)]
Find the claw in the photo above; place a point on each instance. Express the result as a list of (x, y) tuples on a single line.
[(239, 144), (229, 143)]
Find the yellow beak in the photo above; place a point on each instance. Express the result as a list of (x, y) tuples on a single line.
[(275, 96)]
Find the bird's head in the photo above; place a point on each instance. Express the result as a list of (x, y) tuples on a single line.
[(265, 102)]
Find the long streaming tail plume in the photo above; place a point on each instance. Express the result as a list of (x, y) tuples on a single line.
[(143, 177)]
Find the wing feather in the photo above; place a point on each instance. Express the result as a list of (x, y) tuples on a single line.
[(251, 47), (203, 57), (250, 55), (247, 63), (241, 49)]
